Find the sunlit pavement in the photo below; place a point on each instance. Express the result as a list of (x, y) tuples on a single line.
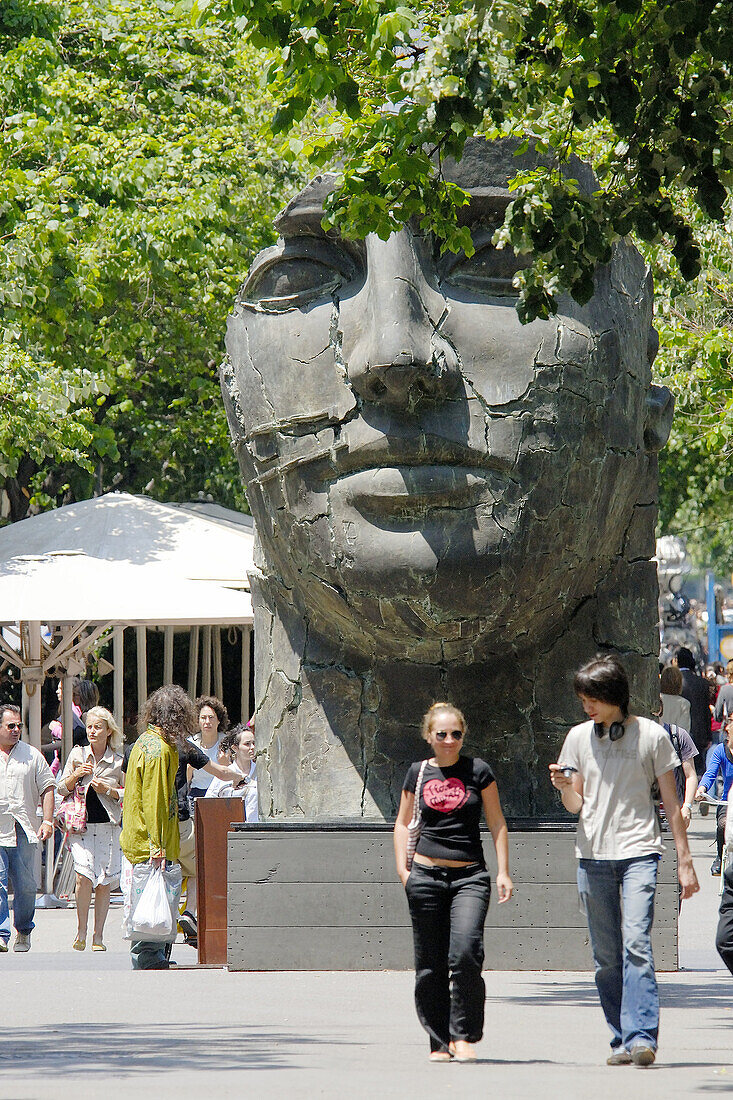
[(75, 1025)]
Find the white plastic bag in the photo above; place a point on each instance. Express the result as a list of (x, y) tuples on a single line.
[(152, 917)]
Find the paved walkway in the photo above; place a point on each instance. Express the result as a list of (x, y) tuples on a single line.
[(83, 1025)]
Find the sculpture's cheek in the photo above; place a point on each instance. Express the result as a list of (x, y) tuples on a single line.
[(497, 354), (289, 363)]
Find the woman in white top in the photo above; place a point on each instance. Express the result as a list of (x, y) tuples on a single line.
[(239, 746), (675, 709), (213, 724), (97, 768)]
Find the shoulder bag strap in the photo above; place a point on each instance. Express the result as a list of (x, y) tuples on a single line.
[(418, 788)]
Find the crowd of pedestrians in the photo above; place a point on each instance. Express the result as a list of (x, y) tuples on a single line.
[(116, 807), (127, 815)]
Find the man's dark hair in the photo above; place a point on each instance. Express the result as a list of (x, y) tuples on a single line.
[(84, 693), (12, 707), (685, 658), (604, 678)]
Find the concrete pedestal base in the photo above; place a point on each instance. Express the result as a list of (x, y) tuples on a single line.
[(325, 896)]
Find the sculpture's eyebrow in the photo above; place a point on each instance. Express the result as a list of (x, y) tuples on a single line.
[(486, 204), (301, 220)]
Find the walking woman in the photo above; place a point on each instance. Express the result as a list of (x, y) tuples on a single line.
[(448, 887), (150, 822), (97, 767)]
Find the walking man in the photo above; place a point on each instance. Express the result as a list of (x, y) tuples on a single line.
[(606, 774), (697, 692), (25, 780)]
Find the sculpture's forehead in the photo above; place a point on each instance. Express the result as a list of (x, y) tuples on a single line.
[(304, 214), (485, 171)]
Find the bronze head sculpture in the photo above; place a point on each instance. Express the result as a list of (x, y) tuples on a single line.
[(447, 503)]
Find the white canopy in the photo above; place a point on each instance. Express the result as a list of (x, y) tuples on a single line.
[(196, 541), (69, 586), (117, 561)]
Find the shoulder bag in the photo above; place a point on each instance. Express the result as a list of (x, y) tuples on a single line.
[(71, 815), (415, 827)]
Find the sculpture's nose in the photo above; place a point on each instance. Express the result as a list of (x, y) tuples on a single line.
[(392, 346)]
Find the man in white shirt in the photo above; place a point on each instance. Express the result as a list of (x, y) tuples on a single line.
[(606, 773), (25, 780)]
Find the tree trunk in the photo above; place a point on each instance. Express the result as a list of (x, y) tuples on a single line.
[(18, 490)]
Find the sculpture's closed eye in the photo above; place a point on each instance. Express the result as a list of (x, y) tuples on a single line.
[(288, 283), (489, 271), (292, 275)]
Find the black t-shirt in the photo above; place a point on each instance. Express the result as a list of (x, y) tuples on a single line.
[(96, 813), (187, 754), (451, 807)]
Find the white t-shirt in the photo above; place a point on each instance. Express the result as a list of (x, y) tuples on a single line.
[(201, 779), (617, 819), (224, 788)]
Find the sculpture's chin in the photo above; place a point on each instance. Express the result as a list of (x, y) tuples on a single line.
[(456, 609)]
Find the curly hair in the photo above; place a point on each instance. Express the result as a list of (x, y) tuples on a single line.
[(230, 742), (436, 707), (115, 740), (218, 708), (171, 710)]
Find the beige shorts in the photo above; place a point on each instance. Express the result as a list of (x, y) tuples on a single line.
[(187, 855)]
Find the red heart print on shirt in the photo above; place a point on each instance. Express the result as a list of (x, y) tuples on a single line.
[(444, 795)]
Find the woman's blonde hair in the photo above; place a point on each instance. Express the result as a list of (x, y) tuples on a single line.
[(436, 707), (115, 739)]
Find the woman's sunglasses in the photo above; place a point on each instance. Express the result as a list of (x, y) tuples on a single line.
[(440, 735)]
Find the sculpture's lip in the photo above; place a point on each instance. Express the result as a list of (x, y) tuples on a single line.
[(425, 452), (402, 490)]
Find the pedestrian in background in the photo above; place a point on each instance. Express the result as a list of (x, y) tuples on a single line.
[(213, 722), (150, 820), (697, 692), (96, 768), (25, 780), (239, 746)]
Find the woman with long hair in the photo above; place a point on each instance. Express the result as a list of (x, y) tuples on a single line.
[(150, 823), (448, 886), (97, 768)]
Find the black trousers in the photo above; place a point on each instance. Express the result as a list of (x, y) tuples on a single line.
[(448, 907), (724, 935), (720, 829)]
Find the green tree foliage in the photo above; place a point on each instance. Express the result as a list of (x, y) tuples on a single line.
[(134, 190), (695, 322), (646, 82), (641, 88)]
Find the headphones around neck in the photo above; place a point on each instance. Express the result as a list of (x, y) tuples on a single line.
[(615, 731)]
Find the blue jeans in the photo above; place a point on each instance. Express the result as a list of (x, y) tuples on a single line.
[(618, 898), (448, 908), (17, 865)]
